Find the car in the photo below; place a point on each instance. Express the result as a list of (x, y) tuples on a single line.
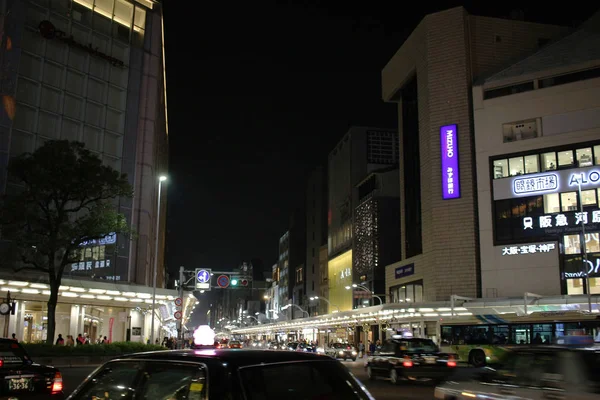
[(410, 359), (533, 372), (342, 350), (24, 379), (235, 344), (222, 374)]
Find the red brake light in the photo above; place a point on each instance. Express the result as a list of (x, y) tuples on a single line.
[(1, 363), (57, 383), (407, 363), (451, 362)]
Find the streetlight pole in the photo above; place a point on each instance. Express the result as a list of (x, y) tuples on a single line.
[(325, 300), (583, 245), (161, 179), (365, 289)]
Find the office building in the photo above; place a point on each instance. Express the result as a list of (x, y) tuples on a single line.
[(537, 142), (430, 78), (362, 150), (316, 237)]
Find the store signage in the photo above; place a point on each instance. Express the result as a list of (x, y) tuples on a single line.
[(561, 220), (345, 273), (528, 249), (575, 268), (111, 238), (49, 31), (541, 183), (546, 182), (404, 271), (450, 172)]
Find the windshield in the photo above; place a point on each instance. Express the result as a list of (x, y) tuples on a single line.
[(418, 346)]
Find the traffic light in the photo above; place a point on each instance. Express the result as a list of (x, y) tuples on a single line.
[(234, 281)]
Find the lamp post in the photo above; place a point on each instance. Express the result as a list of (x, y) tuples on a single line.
[(583, 245), (298, 307), (254, 318), (325, 300), (161, 179), (365, 289)]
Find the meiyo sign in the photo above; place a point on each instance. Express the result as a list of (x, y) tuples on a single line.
[(449, 156)]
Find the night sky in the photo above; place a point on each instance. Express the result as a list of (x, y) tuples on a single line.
[(259, 93)]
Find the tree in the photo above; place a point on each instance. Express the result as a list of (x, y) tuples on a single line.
[(65, 197)]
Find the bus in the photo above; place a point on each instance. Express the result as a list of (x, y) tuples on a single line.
[(484, 339)]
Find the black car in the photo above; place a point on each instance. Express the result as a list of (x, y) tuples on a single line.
[(21, 378), (410, 359), (344, 351), (222, 374)]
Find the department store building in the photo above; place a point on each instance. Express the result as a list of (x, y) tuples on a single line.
[(90, 71)]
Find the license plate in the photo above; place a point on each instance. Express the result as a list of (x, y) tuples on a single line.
[(19, 383), (430, 360)]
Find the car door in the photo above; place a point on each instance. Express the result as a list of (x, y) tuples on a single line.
[(114, 380), (382, 358)]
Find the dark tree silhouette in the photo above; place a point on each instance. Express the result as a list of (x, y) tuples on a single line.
[(63, 198)]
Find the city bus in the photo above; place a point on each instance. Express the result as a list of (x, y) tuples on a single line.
[(484, 339)]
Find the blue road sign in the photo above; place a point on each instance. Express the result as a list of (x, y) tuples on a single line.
[(223, 281), (203, 276)]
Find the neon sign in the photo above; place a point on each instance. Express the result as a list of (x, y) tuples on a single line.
[(586, 178), (450, 172), (534, 184)]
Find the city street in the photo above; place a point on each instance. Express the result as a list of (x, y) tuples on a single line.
[(381, 389)]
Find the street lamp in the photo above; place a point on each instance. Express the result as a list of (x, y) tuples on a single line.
[(365, 289), (254, 318), (161, 179), (297, 306), (325, 300)]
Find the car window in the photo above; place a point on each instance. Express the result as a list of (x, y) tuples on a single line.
[(12, 353), (173, 381), (535, 369), (419, 346), (115, 380), (320, 380)]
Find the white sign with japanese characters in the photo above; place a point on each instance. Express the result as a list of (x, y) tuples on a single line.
[(561, 220), (546, 182), (528, 249)]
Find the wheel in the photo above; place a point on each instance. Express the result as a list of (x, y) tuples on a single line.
[(370, 373), (477, 358), (394, 376), (354, 359), (344, 358)]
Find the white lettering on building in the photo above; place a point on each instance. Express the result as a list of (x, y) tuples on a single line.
[(450, 143), (528, 249), (540, 183), (586, 178), (591, 269), (450, 179), (560, 220), (345, 273)]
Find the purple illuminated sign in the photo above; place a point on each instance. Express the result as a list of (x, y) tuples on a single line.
[(450, 173)]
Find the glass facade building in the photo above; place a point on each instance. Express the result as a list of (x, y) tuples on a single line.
[(92, 71)]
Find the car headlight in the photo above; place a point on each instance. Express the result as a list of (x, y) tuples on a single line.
[(341, 352), (353, 353)]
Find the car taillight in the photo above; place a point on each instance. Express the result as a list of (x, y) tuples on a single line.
[(451, 362), (57, 383), (1, 363), (407, 363)]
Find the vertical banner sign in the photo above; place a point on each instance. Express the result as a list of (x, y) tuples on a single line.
[(450, 173), (111, 322)]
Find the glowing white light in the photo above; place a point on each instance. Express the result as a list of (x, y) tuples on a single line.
[(204, 336)]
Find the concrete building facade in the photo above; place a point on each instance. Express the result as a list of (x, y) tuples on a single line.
[(537, 136), (430, 78)]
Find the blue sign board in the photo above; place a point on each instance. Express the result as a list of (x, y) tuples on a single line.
[(404, 271), (203, 276), (450, 172)]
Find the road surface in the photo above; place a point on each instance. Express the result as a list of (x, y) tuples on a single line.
[(381, 389)]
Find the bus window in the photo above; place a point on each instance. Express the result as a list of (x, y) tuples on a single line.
[(447, 336), (521, 334), (542, 334)]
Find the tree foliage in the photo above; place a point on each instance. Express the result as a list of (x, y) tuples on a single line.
[(65, 196)]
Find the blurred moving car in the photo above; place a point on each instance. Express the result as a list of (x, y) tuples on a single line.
[(234, 344), (21, 378), (534, 372), (410, 359), (222, 375), (344, 351)]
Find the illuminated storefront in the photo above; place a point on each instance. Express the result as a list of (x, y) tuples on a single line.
[(92, 309), (543, 204), (340, 277)]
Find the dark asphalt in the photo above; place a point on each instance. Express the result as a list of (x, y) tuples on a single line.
[(381, 389)]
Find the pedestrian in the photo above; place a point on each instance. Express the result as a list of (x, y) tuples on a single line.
[(70, 341), (60, 341), (14, 337)]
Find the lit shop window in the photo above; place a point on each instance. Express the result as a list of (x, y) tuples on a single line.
[(568, 201), (584, 157), (566, 159), (549, 161), (572, 243)]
